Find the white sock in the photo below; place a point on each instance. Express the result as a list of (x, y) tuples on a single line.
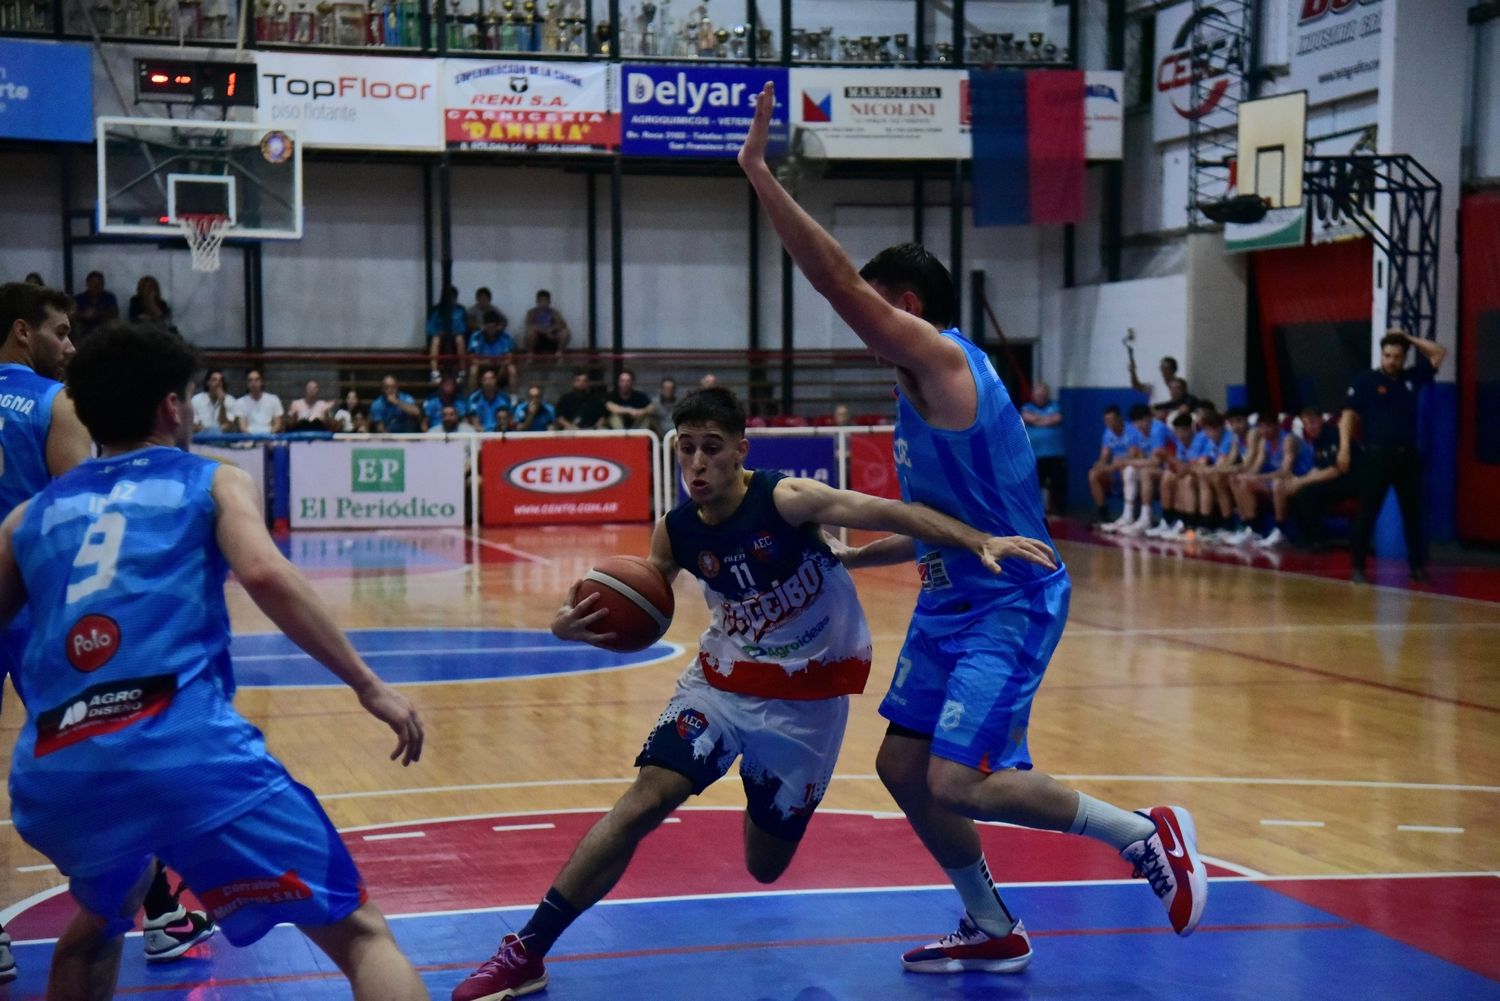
[(1115, 827), (977, 890), (1130, 486)]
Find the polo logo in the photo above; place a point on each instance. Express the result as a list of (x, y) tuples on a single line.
[(378, 470), (565, 474)]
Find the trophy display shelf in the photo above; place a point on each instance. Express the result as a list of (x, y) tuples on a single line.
[(167, 20)]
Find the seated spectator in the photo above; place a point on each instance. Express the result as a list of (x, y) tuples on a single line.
[(842, 416), (1043, 419), (533, 413), (1314, 493), (446, 396), (483, 303), (489, 409), (1178, 400), (395, 412), (627, 406), (96, 306), (448, 336), (1114, 453), (580, 408), (709, 381), (666, 399), (1179, 488), (491, 345), (1153, 442), (1211, 457), (259, 412), (450, 421), (352, 415), (546, 330), (215, 411), (147, 305), (34, 278), (310, 413), (1273, 453)]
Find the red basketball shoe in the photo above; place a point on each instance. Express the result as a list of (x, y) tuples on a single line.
[(972, 948), (509, 973), (1169, 860)]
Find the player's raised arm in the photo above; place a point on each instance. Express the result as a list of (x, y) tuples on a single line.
[(899, 337), (280, 590), (803, 500)]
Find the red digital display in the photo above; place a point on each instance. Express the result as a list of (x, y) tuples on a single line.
[(180, 82)]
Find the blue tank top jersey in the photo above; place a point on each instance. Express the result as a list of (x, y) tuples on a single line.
[(25, 418), (983, 475), (131, 740), (1271, 454)]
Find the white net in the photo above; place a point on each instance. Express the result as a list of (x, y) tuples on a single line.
[(205, 235)]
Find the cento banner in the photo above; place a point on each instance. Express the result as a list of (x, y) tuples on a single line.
[(392, 483), (882, 114), (698, 111), (533, 480), (516, 106), (351, 102)]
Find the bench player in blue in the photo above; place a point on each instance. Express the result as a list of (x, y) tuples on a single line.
[(42, 437), (786, 646), (131, 749), (955, 750)]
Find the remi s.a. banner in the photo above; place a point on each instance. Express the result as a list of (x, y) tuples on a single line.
[(530, 107), (380, 483), (533, 480)]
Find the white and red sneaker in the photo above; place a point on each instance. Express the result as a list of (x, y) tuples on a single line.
[(972, 948), (509, 973), (1169, 860)]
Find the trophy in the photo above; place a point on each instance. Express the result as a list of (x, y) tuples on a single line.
[(705, 39), (551, 28), (1036, 45), (765, 44), (602, 35), (190, 18), (300, 25), (325, 33), (646, 39), (945, 52), (903, 47), (720, 38), (506, 39), (738, 43)]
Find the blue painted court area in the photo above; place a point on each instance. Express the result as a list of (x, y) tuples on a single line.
[(428, 656), (1092, 942)]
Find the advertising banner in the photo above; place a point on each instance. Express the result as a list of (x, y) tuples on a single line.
[(46, 91), (377, 484), (1103, 115), (252, 460), (698, 111), (881, 114), (872, 465), (534, 480), (517, 106), (1218, 66), (351, 102), (814, 458), (1335, 49)]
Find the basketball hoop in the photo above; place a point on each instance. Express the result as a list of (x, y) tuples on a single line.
[(204, 232)]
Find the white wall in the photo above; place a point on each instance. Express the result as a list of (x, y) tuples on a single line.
[(30, 217), (1086, 325)]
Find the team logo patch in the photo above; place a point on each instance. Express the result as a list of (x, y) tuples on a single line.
[(708, 564), (92, 641), (952, 715), (763, 546), (223, 901), (691, 724), (932, 572), (103, 709)]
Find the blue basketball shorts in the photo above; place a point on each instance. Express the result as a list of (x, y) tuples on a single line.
[(968, 677), (787, 748), (281, 862)]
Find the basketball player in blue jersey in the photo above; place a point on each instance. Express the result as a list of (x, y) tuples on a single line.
[(959, 705), (122, 563), (786, 646), (42, 437)]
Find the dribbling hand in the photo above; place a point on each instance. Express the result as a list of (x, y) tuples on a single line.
[(997, 548), (575, 618), (395, 711)]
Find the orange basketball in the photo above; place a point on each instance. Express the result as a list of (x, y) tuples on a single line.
[(638, 597)]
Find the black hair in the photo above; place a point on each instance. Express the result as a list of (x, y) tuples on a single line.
[(92, 274), (28, 302), (1138, 411), (1182, 421), (1169, 360), (121, 374), (1395, 340), (209, 374), (1311, 411), (1233, 412), (483, 290), (910, 267), (1213, 419), (491, 315), (626, 371), (716, 406), (1113, 408), (542, 291), (255, 370)]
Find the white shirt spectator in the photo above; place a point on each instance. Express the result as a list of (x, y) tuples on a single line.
[(258, 415), (206, 411), (464, 427)]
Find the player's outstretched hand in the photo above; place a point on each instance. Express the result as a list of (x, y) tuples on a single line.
[(997, 548), (395, 711), (753, 152), (575, 620)]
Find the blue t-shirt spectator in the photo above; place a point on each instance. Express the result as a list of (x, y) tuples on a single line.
[(1118, 444), (458, 320), (392, 418), (432, 408), (484, 347), (488, 411), (523, 412), (1160, 436), (1046, 442)]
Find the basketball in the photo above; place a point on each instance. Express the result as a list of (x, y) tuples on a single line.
[(638, 597)]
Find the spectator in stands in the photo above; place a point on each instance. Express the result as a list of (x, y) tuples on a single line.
[(628, 407), (450, 421), (666, 399), (546, 330), (1178, 401), (492, 346), (1316, 462), (1114, 451), (842, 416), (1044, 418), (214, 411), (533, 413), (489, 409), (1179, 488), (395, 412), (352, 415), (310, 413), (34, 278), (580, 408), (448, 336), (259, 412), (96, 306), (1156, 392), (483, 303), (1211, 457), (709, 381), (1273, 452), (1151, 441), (147, 305), (1384, 402), (446, 396)]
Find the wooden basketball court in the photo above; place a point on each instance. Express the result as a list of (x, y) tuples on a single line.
[(1316, 730)]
